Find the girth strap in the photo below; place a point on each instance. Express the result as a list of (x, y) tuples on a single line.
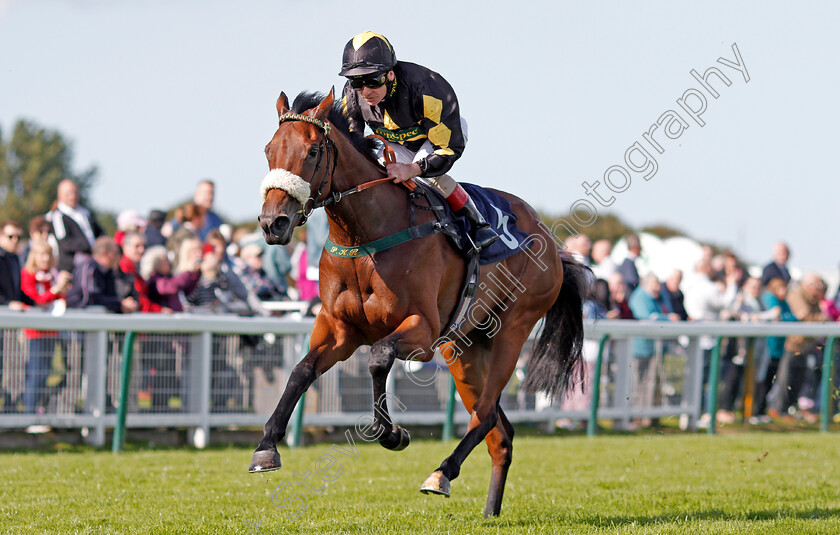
[(382, 244), (466, 297)]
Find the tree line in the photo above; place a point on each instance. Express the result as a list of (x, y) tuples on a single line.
[(33, 160)]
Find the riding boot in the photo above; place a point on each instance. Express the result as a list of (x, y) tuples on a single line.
[(482, 235), (461, 203)]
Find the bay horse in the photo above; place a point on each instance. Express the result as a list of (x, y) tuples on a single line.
[(398, 300)]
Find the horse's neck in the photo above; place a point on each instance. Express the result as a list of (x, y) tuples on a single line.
[(370, 214)]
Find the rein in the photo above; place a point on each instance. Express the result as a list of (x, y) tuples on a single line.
[(411, 233)]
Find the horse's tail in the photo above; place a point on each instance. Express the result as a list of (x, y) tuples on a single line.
[(556, 363)]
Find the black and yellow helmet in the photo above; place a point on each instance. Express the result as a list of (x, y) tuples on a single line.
[(367, 53)]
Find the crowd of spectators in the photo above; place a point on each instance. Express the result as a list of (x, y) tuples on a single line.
[(193, 262), (787, 369)]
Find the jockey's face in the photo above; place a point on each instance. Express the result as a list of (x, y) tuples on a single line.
[(374, 95)]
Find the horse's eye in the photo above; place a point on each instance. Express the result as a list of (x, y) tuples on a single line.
[(313, 152)]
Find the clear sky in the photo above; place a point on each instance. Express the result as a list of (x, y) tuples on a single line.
[(159, 94)]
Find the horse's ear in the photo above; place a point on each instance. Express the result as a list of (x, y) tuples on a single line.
[(322, 110), (282, 104)]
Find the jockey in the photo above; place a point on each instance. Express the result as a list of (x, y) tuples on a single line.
[(416, 111)]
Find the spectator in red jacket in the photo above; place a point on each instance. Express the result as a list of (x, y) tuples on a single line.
[(44, 285), (134, 245)]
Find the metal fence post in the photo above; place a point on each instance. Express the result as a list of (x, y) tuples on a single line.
[(623, 382), (714, 376), (826, 394), (694, 383), (101, 378), (391, 392), (448, 423), (592, 424), (201, 365), (296, 431), (95, 355), (749, 379), (125, 379)]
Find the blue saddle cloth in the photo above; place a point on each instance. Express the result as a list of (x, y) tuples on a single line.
[(497, 212)]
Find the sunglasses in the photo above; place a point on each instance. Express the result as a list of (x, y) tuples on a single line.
[(372, 81)]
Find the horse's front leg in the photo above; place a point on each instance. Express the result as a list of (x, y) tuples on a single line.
[(412, 337), (330, 342)]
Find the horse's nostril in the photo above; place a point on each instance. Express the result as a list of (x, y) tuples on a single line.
[(280, 225)]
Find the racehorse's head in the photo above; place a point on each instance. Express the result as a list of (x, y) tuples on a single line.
[(301, 158)]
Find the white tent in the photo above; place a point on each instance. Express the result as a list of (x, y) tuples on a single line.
[(659, 256)]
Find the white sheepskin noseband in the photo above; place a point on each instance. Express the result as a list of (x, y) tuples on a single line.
[(289, 182)]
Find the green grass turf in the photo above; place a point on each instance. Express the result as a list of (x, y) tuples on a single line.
[(747, 483)]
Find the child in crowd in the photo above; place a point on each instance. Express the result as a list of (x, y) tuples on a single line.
[(45, 285)]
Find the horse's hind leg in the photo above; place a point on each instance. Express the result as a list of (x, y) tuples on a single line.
[(500, 445), (484, 414)]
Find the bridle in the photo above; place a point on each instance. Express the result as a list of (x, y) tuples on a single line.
[(441, 223), (332, 151)]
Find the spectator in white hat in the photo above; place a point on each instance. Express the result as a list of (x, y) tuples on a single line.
[(129, 221)]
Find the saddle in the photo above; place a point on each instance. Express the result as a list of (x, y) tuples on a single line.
[(495, 208), (496, 211)]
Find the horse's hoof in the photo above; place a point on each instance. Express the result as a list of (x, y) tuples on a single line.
[(265, 461), (398, 440), (437, 483), (405, 439)]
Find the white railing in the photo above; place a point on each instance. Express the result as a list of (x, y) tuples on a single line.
[(209, 344)]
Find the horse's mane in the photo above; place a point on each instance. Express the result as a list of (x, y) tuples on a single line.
[(308, 99)]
